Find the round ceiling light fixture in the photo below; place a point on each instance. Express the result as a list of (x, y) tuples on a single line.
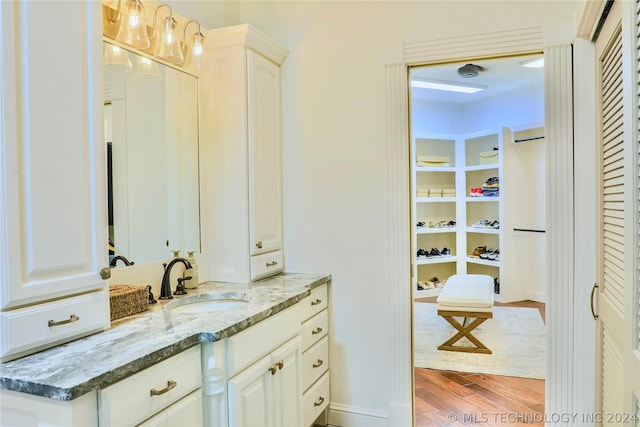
[(470, 70)]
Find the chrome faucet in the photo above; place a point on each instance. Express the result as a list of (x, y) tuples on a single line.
[(122, 258), (165, 289)]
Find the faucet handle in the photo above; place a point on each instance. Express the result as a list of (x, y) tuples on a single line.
[(180, 290)]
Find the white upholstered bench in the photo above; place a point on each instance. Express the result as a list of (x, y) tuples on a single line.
[(469, 296)]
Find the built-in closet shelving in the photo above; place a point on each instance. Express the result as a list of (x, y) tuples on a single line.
[(442, 193)]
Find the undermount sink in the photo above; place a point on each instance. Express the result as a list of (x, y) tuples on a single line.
[(209, 303)]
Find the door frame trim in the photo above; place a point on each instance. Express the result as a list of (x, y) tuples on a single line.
[(557, 49)]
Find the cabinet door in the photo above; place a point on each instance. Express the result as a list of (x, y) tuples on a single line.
[(287, 384), (250, 397), (53, 224), (265, 162)]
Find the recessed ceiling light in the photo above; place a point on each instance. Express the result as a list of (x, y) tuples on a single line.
[(447, 86), (533, 63)]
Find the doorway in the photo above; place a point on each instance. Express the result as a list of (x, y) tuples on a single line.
[(478, 207)]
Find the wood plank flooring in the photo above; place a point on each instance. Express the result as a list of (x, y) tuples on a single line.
[(447, 398)]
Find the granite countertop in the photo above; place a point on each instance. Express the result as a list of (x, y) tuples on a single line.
[(132, 344)]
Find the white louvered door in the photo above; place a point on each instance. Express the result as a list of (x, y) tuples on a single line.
[(618, 375)]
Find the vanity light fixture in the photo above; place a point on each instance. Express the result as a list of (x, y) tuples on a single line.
[(446, 86), (115, 58), (169, 43), (133, 30), (147, 70), (195, 51)]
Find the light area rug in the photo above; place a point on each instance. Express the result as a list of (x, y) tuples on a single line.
[(515, 335)]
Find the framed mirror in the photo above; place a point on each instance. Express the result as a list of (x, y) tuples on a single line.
[(151, 137)]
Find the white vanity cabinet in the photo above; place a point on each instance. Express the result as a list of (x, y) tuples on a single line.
[(158, 394), (53, 223), (267, 391), (315, 356), (242, 163)]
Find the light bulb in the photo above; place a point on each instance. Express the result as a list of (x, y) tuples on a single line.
[(133, 30), (169, 48)]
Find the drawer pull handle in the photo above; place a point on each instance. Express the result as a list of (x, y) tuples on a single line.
[(318, 363), (316, 331), (259, 244), (272, 263), (280, 364), (170, 385), (273, 370), (316, 302), (319, 402), (71, 319)]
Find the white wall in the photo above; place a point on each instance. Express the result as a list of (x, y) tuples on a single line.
[(335, 154), (335, 186)]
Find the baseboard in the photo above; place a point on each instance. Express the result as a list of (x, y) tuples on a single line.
[(537, 297), (351, 416)]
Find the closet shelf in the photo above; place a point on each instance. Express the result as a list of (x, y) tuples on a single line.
[(436, 260), (483, 262), (429, 230), (435, 169), (483, 230), (483, 199), (481, 167), (435, 199)]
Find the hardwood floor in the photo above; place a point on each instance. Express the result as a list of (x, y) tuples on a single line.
[(447, 398)]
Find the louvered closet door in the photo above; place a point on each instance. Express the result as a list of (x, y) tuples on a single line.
[(617, 267)]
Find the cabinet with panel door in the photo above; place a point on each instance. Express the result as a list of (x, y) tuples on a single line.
[(53, 224), (242, 165), (264, 369)]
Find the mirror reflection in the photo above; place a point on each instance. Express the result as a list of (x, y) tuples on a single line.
[(151, 134)]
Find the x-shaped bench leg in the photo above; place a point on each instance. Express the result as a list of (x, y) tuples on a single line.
[(464, 331)]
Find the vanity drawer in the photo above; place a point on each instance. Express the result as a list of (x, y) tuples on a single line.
[(144, 394), (247, 346), (315, 400), (315, 362), (314, 329), (44, 325), (266, 264), (316, 302)]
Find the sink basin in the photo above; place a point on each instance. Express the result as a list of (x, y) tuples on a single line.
[(209, 303)]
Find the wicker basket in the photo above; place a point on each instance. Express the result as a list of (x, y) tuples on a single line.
[(126, 300)]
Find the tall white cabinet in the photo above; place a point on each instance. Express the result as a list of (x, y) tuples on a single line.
[(242, 163), (53, 225)]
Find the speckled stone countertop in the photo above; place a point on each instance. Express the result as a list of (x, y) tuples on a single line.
[(132, 344)]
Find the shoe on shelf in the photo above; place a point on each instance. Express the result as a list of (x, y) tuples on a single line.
[(481, 223), (434, 252), (492, 180), (445, 252), (478, 251), (420, 224), (495, 224), (422, 253)]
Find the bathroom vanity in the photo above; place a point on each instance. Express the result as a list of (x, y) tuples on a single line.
[(225, 354)]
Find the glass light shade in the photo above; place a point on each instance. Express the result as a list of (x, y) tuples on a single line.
[(133, 30), (196, 51), (169, 47), (116, 59), (147, 70)]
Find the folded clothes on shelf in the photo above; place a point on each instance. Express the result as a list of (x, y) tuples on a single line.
[(441, 161)]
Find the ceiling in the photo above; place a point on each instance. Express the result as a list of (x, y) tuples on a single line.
[(500, 75)]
